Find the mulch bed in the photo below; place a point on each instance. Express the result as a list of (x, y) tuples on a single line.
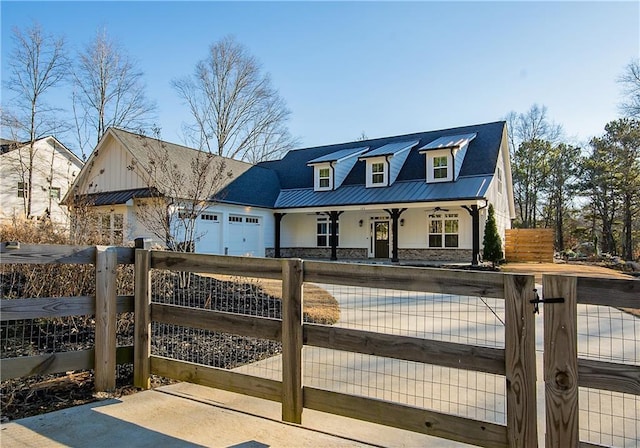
[(33, 395)]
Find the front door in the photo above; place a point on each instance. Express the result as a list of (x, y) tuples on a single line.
[(381, 236)]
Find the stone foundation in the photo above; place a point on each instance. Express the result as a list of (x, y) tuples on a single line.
[(322, 253), (345, 253)]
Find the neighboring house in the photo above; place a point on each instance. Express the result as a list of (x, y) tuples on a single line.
[(408, 198), (126, 172), (420, 196), (54, 169)]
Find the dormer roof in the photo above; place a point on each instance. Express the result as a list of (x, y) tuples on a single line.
[(338, 156)]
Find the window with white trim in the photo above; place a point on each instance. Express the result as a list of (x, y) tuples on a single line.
[(23, 189), (54, 192), (499, 177), (443, 230), (440, 167), (377, 173), (251, 220), (109, 227), (323, 232), (323, 177), (235, 218)]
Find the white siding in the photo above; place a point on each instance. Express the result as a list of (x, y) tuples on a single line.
[(109, 170), (51, 162)]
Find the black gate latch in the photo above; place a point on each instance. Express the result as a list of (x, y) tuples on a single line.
[(538, 300)]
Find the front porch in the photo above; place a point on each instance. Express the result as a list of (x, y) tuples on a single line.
[(423, 233)]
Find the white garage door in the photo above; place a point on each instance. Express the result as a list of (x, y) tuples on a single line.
[(208, 232), (244, 236)]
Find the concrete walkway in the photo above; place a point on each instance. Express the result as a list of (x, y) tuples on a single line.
[(186, 415)]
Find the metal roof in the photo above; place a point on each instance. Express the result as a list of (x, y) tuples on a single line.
[(400, 192), (117, 197), (390, 149), (449, 141), (335, 156)]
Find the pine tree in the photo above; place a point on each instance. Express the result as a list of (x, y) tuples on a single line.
[(492, 243)]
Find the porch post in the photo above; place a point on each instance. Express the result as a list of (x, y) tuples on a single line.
[(395, 214), (333, 239), (474, 211), (276, 249)]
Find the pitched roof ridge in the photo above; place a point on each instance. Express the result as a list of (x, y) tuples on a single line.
[(411, 135), (116, 130)]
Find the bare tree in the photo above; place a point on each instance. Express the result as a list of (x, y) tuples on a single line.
[(182, 186), (108, 92), (38, 63), (630, 81), (531, 136), (236, 111)]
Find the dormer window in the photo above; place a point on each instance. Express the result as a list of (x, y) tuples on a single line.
[(377, 173), (324, 178), (440, 167)]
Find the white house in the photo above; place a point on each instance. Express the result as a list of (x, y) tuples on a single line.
[(415, 197), (54, 169), (420, 196)]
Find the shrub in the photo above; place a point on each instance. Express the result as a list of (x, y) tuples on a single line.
[(492, 242)]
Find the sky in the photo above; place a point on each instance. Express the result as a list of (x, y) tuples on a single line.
[(382, 68)]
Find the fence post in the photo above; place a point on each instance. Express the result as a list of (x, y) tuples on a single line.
[(561, 361), (292, 279), (142, 319), (520, 353), (105, 343)]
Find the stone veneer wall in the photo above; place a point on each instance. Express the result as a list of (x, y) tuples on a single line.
[(436, 254), (345, 253)]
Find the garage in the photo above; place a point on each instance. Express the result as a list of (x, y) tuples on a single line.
[(244, 236), (209, 233)]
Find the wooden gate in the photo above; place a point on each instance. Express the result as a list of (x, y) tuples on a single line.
[(529, 245)]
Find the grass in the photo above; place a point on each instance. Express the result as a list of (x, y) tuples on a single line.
[(318, 305)]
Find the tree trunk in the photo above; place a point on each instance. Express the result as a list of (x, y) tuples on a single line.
[(627, 248)]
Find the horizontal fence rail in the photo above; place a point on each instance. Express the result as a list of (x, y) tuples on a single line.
[(104, 306)]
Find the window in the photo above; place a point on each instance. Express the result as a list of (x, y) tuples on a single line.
[(440, 168), (323, 231), (499, 176), (209, 217), (110, 227), (54, 192), (250, 220), (443, 229), (377, 173), (23, 189), (235, 218), (324, 178)]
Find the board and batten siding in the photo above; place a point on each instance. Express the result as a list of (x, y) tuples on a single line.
[(109, 171)]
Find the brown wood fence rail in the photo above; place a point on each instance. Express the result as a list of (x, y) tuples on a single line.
[(564, 372), (524, 245), (105, 306), (516, 361)]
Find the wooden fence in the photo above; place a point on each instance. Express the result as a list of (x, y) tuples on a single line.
[(526, 245), (564, 372), (105, 306)]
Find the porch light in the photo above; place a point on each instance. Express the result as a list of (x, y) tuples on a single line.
[(360, 223), (402, 222)]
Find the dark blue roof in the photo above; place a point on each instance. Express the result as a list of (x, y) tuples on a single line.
[(263, 184), (334, 156), (258, 187)]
